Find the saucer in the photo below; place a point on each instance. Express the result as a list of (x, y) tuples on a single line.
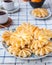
[(44, 17), (7, 24), (16, 8)]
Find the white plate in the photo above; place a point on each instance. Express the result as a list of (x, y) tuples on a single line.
[(16, 8), (32, 57), (44, 17)]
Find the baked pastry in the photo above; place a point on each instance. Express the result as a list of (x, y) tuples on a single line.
[(14, 50), (6, 36), (40, 12), (44, 50), (36, 44), (25, 52), (28, 39)]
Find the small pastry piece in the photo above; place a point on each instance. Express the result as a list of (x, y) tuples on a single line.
[(38, 44), (36, 33), (49, 46), (14, 50), (48, 33), (43, 39), (40, 52), (34, 45), (40, 12), (37, 52), (47, 50), (44, 50), (25, 53), (6, 37)]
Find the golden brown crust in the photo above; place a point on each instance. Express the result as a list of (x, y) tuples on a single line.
[(28, 39), (40, 12)]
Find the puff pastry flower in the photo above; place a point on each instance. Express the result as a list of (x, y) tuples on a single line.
[(6, 37), (25, 53)]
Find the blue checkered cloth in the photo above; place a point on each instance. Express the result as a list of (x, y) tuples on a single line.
[(18, 18)]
